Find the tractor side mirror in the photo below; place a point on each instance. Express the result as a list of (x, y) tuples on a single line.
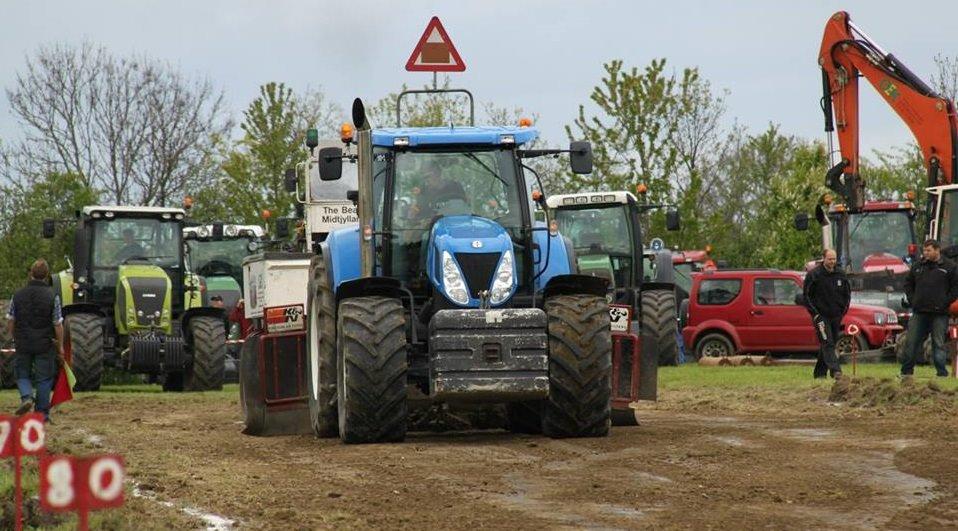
[(580, 157), (282, 228), (217, 231), (49, 228), (801, 221), (330, 163), (289, 180), (672, 220)]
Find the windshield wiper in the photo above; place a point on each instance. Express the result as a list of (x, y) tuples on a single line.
[(472, 156)]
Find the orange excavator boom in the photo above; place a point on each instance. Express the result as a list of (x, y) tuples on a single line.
[(847, 54)]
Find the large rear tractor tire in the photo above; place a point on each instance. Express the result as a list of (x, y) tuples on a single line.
[(85, 333), (580, 367), (209, 354), (659, 323), (321, 355), (371, 362)]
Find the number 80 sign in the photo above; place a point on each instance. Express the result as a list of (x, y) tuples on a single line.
[(81, 484)]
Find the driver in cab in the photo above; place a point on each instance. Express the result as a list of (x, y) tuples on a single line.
[(437, 192), (131, 248)]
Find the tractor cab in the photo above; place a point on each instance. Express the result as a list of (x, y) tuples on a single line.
[(216, 251)]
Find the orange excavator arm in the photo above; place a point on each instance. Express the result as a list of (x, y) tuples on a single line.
[(847, 54)]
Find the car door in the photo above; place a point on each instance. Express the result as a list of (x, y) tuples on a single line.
[(775, 321)]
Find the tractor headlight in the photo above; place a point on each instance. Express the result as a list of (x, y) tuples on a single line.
[(503, 280), (453, 283), (203, 232), (880, 318), (231, 231)]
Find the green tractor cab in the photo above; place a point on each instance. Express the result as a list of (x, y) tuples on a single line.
[(130, 303), (216, 253)]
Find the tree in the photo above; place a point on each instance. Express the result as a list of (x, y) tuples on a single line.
[(131, 127), (56, 196), (945, 79), (274, 127), (632, 136)]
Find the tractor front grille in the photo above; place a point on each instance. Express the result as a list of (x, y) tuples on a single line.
[(478, 269), (149, 294)]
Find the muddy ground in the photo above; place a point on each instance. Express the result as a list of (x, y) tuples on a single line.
[(737, 459)]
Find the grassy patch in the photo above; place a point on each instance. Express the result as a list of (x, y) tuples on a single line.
[(692, 376)]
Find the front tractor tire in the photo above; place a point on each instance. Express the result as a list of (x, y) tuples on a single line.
[(321, 355), (209, 354), (371, 364), (85, 333), (580, 367), (660, 325)]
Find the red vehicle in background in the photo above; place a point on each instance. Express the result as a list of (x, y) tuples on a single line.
[(759, 311)]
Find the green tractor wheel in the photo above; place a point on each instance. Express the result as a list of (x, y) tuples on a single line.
[(85, 333), (209, 354)]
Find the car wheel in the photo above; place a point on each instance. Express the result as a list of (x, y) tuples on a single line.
[(715, 345), (843, 347)]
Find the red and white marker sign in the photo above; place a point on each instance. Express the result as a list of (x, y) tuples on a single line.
[(435, 51), (81, 483)]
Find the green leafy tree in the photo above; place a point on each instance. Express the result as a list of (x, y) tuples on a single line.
[(274, 127), (57, 196)]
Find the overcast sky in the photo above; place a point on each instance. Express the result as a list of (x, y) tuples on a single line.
[(540, 55)]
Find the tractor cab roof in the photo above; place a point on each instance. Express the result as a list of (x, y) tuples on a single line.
[(453, 135), (595, 199), (132, 211)]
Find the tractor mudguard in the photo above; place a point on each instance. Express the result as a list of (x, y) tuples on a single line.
[(370, 286), (576, 285)]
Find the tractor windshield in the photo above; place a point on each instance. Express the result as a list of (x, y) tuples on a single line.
[(133, 240), (428, 185), (948, 218), (218, 257), (876, 232), (602, 238)]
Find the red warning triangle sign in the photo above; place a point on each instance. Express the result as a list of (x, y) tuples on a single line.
[(435, 51)]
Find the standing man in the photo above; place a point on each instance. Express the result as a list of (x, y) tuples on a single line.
[(35, 321), (827, 296), (931, 286)]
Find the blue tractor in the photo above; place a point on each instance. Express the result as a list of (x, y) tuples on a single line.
[(449, 291)]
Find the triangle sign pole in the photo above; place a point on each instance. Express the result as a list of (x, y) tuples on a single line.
[(435, 52)]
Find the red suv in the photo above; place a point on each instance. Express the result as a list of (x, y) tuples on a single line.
[(757, 310)]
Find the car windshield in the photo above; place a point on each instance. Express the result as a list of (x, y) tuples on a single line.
[(683, 276), (208, 256), (602, 238), (876, 232), (429, 185)]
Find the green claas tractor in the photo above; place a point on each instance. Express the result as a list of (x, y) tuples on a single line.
[(129, 301)]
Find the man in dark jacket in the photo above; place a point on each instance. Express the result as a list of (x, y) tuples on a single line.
[(35, 321), (827, 296), (931, 286)]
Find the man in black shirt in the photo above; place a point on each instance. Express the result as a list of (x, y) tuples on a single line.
[(931, 286), (36, 324), (827, 296)]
